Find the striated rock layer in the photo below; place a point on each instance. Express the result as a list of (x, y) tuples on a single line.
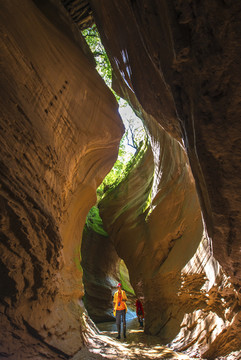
[(178, 63), (59, 137), (181, 59), (156, 237)]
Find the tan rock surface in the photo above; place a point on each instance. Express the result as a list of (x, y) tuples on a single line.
[(59, 137), (178, 64), (157, 242), (180, 60), (100, 264)]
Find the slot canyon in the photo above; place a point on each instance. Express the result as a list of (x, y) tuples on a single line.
[(174, 220)]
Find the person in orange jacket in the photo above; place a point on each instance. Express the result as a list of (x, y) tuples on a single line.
[(120, 309), (140, 312)]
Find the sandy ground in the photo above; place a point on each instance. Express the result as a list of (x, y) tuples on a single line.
[(104, 345)]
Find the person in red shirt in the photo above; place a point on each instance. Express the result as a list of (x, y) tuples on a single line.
[(140, 312), (120, 309)]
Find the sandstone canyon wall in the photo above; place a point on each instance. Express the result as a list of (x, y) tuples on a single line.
[(157, 237), (100, 264), (60, 133), (181, 59), (177, 63)]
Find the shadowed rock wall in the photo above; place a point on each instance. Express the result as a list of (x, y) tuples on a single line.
[(156, 238), (100, 264), (178, 63), (59, 137), (181, 59)]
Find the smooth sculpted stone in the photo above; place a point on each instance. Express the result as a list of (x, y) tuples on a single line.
[(102, 271), (181, 60), (178, 62), (154, 220), (100, 264), (59, 136)]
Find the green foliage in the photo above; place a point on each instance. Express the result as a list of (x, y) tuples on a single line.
[(147, 204), (135, 133), (77, 260), (134, 142), (124, 278), (94, 221), (117, 172), (103, 65), (121, 168)]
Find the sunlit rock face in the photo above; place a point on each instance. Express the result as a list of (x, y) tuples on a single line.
[(211, 327), (156, 237), (59, 137), (178, 65), (181, 60)]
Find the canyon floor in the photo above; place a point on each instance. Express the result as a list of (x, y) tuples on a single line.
[(137, 345)]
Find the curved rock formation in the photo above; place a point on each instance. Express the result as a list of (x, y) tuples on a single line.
[(60, 132), (211, 326), (100, 264), (102, 270), (181, 59), (176, 58), (177, 63), (157, 241)]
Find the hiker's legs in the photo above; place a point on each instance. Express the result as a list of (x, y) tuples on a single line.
[(141, 321), (118, 323), (121, 317), (119, 330), (124, 322), (124, 331)]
